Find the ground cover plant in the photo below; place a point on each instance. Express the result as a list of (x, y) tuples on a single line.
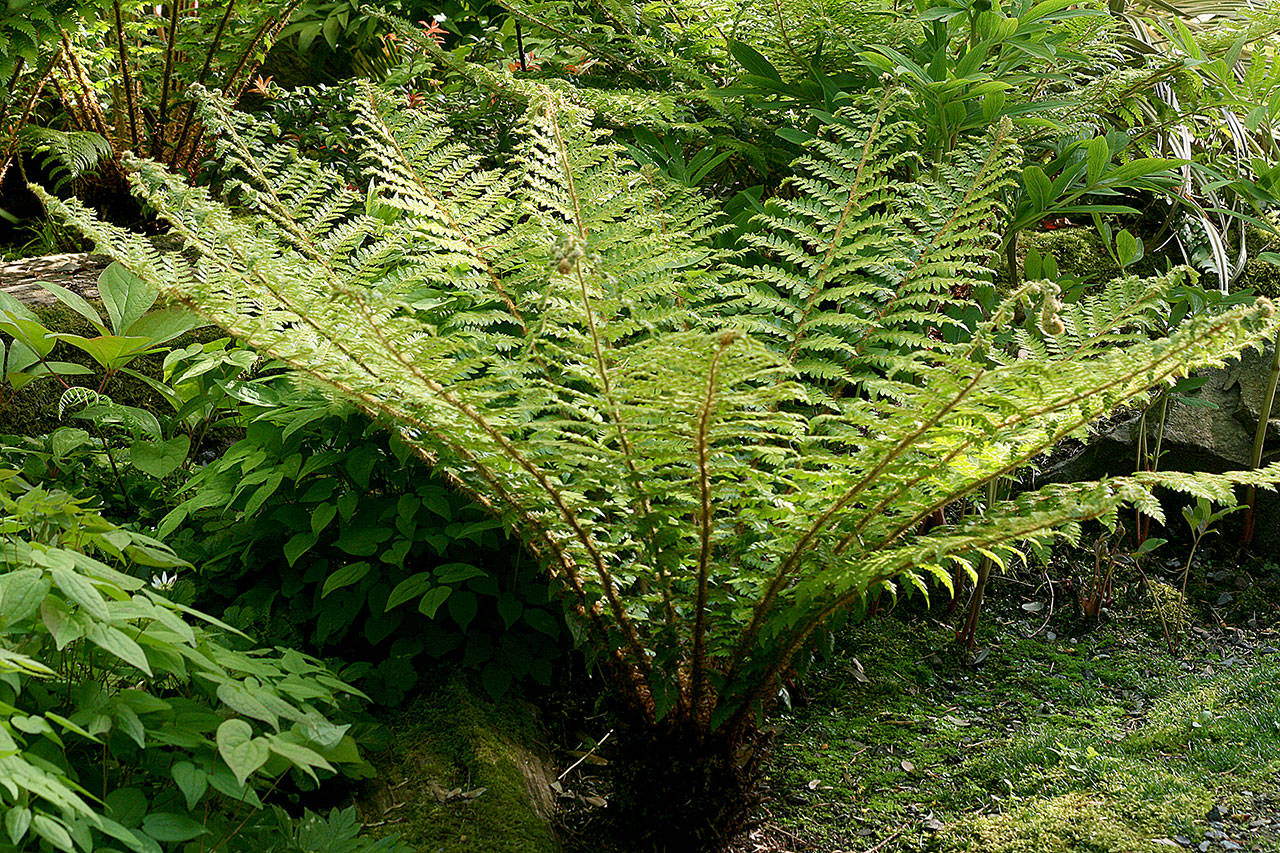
[(1057, 741)]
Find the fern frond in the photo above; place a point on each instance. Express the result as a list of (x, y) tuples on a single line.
[(711, 457)]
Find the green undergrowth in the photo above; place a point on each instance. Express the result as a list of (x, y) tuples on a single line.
[(1097, 741), (34, 409), (464, 774)]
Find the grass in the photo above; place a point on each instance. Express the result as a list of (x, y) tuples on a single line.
[(1095, 741)]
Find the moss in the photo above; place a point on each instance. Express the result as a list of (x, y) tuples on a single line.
[(34, 409), (1099, 742), (449, 746), (1073, 822), (1262, 277), (1078, 251)]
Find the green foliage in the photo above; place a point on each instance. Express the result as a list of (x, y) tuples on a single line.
[(116, 72), (315, 833), (29, 29), (316, 529), (89, 357), (67, 155), (558, 338), (126, 718)]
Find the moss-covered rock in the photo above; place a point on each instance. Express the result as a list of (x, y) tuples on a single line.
[(34, 409), (465, 774), (1078, 251)]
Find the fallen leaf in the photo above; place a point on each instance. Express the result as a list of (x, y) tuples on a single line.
[(908, 766), (859, 674)]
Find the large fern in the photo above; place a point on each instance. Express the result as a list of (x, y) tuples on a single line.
[(713, 459)]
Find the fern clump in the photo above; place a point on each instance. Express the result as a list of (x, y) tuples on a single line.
[(715, 453)]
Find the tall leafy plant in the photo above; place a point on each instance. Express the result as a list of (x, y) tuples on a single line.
[(713, 461), (118, 69), (127, 720)]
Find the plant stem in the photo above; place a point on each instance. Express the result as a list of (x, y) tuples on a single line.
[(1260, 438)]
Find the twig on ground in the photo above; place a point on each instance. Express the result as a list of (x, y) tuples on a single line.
[(585, 756)]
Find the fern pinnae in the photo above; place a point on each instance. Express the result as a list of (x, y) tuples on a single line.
[(381, 405), (1173, 361), (375, 120)]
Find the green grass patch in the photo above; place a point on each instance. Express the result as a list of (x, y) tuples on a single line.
[(1098, 743)]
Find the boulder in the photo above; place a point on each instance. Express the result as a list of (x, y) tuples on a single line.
[(1212, 432)]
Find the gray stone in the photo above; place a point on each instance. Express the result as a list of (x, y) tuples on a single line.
[(1212, 434)]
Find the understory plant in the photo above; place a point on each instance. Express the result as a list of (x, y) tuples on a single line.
[(321, 530), (714, 458), (129, 721)]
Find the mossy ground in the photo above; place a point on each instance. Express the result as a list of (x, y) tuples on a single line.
[(463, 775), (1093, 741)]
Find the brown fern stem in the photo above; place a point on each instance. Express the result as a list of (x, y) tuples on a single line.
[(126, 80), (166, 82), (701, 708), (201, 78)]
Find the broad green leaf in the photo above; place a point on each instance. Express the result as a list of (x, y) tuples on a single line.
[(164, 325), (76, 303), (160, 459), (239, 699), (432, 600), (64, 440), (119, 644), (242, 752), (16, 823), (21, 592), (300, 544), (1038, 187), (53, 832), (462, 607), (171, 827), (31, 333), (410, 588), (192, 782), (81, 591), (111, 351), (455, 573), (1129, 248), (322, 515), (344, 576), (299, 755), (125, 296), (1097, 158), (753, 60)]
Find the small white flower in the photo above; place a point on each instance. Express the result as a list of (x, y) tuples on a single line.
[(164, 580)]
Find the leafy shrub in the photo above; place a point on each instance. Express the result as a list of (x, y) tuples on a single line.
[(275, 831), (320, 529), (126, 718), (713, 462), (121, 452)]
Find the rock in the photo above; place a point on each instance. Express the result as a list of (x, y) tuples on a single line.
[(1213, 433)]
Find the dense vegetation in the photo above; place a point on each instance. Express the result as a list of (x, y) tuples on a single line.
[(642, 355)]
